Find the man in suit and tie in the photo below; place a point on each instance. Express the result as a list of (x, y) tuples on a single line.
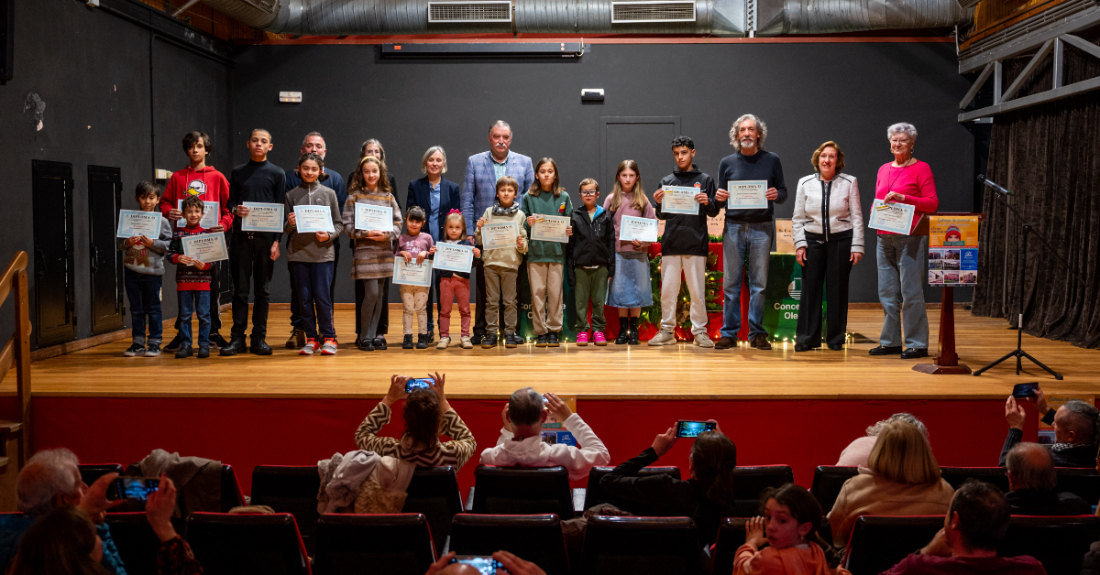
[(479, 190)]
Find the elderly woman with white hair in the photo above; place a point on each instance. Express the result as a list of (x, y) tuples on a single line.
[(437, 196), (901, 257)]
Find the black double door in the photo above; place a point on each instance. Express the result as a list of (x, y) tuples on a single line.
[(104, 201)]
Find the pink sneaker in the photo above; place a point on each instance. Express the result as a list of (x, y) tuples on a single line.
[(582, 338), (598, 338)]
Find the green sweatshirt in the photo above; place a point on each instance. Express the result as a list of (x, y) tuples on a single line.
[(547, 204)]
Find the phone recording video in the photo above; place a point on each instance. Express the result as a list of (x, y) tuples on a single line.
[(686, 428), (419, 383), (484, 564), (1024, 390), (137, 488)]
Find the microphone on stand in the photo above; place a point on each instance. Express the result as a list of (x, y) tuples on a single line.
[(994, 186)]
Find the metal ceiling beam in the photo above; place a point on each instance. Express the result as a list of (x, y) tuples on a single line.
[(1040, 98), (1086, 18)]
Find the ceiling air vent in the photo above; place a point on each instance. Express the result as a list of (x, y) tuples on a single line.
[(640, 12), (452, 12), (265, 5)]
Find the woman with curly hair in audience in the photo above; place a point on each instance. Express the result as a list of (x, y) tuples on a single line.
[(707, 496), (901, 478), (427, 416)]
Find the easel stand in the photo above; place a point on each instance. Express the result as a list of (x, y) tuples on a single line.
[(947, 361), (1019, 353)]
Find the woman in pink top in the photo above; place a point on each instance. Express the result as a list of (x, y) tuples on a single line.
[(901, 258)]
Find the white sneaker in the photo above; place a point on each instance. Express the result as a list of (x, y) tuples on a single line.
[(663, 338), (466, 343), (443, 342), (329, 347), (702, 340)]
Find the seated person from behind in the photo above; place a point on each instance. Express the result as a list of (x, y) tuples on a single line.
[(1075, 426), (1031, 482), (857, 451), (427, 416), (972, 531), (520, 441), (901, 478)]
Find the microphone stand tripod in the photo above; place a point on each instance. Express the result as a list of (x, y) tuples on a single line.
[(1019, 353)]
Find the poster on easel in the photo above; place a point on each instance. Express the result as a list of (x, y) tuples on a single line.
[(953, 250), (554, 432)]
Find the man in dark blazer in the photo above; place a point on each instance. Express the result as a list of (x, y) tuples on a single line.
[(437, 200), (479, 190)]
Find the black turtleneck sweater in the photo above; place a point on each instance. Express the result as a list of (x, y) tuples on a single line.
[(256, 182)]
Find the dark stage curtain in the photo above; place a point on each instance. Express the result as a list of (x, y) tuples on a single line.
[(1049, 156)]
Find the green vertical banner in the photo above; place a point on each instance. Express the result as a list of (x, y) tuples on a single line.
[(781, 297)]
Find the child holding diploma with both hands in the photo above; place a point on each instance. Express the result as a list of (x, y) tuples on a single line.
[(192, 283), (630, 290), (502, 265), (591, 261), (312, 256), (144, 274), (415, 245), (454, 285), (546, 259), (373, 263)]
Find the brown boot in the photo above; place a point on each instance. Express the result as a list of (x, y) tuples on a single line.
[(760, 341)]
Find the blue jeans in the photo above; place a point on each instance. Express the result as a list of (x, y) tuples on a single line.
[(195, 302), (901, 279), (143, 291), (753, 242), (313, 282)]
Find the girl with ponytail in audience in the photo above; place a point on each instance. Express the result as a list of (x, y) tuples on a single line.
[(706, 497), (791, 519)]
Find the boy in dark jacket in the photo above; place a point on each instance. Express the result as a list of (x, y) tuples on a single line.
[(684, 245), (192, 282), (591, 261)]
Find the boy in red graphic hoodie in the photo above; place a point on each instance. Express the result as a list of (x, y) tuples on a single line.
[(209, 185), (192, 283)]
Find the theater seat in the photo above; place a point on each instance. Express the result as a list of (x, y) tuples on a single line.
[(397, 544), (640, 546), (750, 482), (956, 476), (232, 496), (879, 542), (136, 541), (1084, 482), (434, 492), (1059, 543), (535, 538), (89, 472), (247, 544), (522, 490), (289, 489), (593, 495), (828, 479)]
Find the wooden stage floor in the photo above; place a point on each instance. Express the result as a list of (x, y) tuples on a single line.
[(612, 372)]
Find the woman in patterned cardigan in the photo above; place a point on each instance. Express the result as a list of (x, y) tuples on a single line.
[(427, 416)]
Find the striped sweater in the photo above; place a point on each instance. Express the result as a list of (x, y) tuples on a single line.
[(373, 258), (455, 452)]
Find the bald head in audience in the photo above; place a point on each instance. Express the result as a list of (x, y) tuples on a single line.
[(1030, 466)]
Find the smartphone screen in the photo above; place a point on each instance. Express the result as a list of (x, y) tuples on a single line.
[(1024, 390), (137, 488), (418, 383), (484, 565), (693, 428)]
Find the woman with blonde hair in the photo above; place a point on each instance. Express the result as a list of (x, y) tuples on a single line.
[(630, 289), (901, 478)]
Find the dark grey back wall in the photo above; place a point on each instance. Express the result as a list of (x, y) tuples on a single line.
[(93, 70), (806, 93)]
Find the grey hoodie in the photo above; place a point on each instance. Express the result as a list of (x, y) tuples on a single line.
[(148, 261), (303, 247)]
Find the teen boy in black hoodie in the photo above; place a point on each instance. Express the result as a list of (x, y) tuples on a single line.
[(591, 261), (684, 245)]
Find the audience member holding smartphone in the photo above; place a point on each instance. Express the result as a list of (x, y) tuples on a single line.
[(707, 496), (427, 416), (509, 564), (1075, 429)]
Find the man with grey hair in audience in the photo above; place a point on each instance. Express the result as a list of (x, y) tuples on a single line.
[(859, 450), (1031, 483), (49, 480), (521, 443), (1075, 430)]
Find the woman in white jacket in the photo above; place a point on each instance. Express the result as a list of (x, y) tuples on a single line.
[(828, 241)]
